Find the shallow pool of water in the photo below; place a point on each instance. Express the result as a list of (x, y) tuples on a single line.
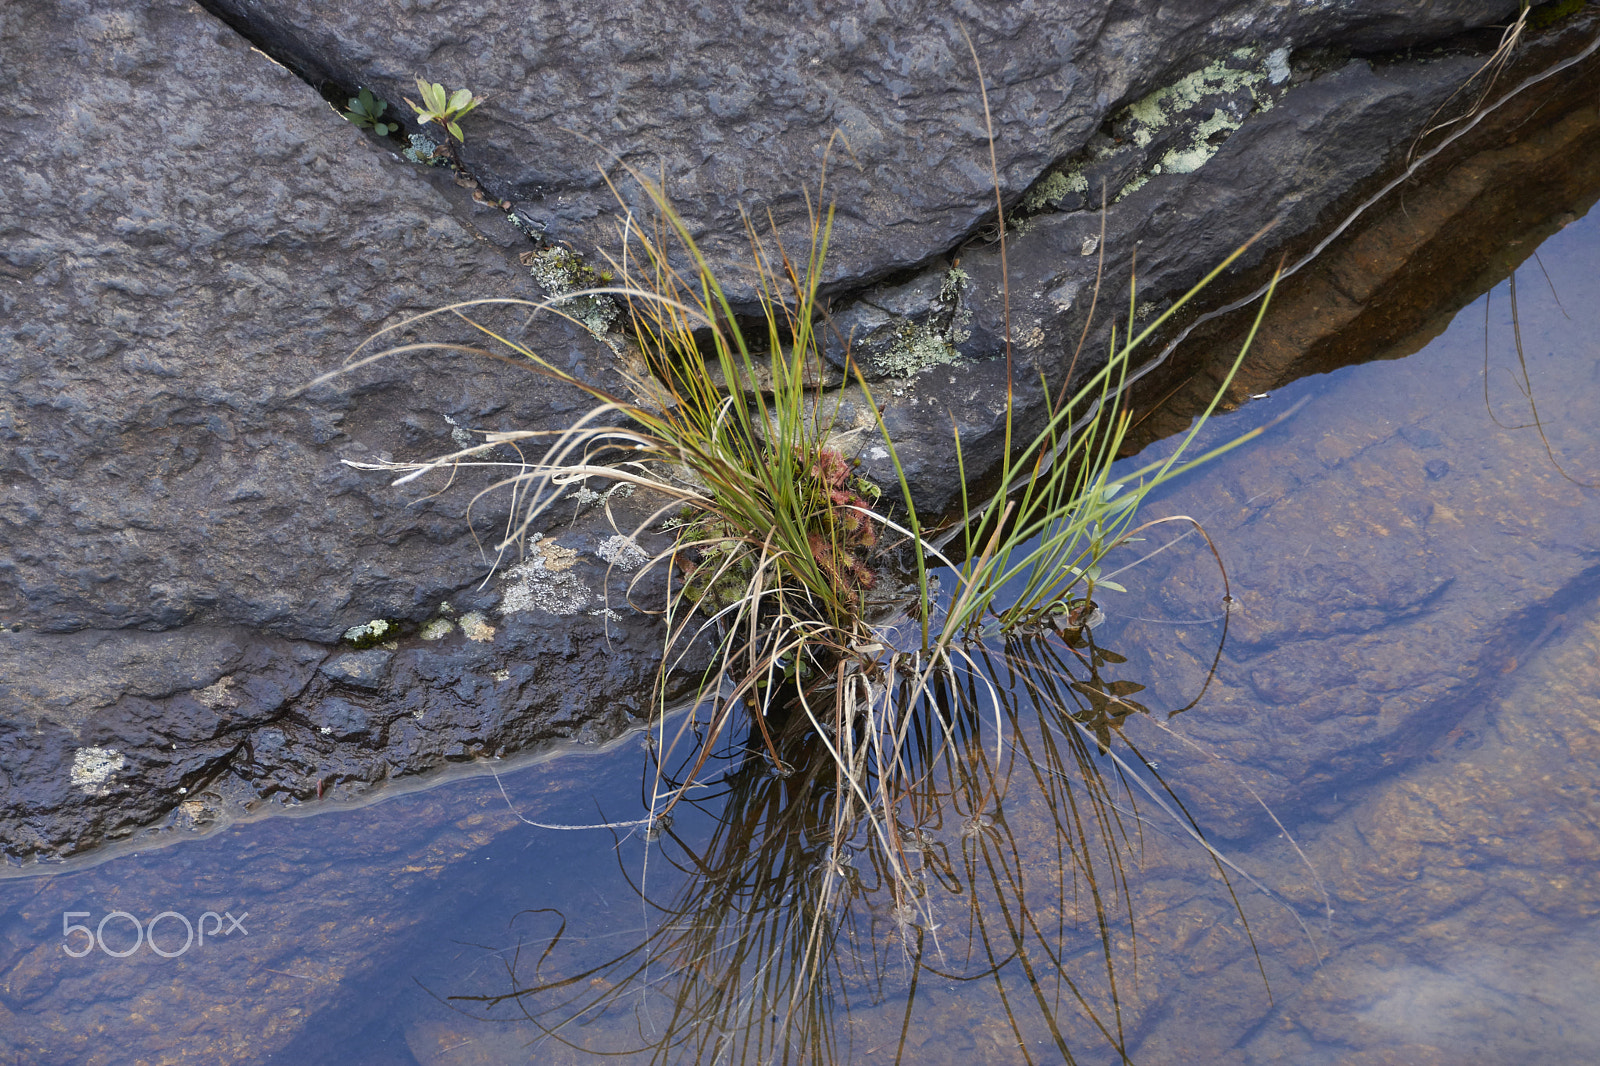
[(1393, 762)]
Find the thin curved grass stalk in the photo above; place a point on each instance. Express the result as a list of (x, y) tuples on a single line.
[(1493, 66), (1520, 379), (1070, 510)]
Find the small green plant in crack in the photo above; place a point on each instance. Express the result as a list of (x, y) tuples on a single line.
[(443, 109), (366, 112)]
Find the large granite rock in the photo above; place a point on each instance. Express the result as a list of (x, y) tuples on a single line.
[(191, 236), (180, 261)]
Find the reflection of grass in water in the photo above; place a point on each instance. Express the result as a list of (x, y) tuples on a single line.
[(1520, 378), (747, 955), (792, 937)]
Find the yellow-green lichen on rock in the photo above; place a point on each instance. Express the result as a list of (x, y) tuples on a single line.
[(1246, 70), (1056, 184), (437, 629), (475, 627), (1199, 112), (372, 633)]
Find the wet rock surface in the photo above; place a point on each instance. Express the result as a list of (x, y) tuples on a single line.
[(1411, 260), (206, 723), (1464, 890), (312, 913)]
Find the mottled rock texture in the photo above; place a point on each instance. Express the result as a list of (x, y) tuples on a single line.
[(183, 252), (191, 236), (1303, 160)]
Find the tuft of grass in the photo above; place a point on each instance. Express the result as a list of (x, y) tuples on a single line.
[(780, 549), (775, 532), (781, 552), (778, 543)]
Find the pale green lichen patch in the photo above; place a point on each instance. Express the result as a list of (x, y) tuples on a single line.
[(1186, 122), (1133, 186), (1243, 70), (424, 150), (462, 436), (372, 633), (441, 624), (1244, 81), (1056, 185), (622, 552), (543, 581), (93, 768), (437, 629), (561, 273), (1200, 148), (586, 496), (917, 345), (474, 626)]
